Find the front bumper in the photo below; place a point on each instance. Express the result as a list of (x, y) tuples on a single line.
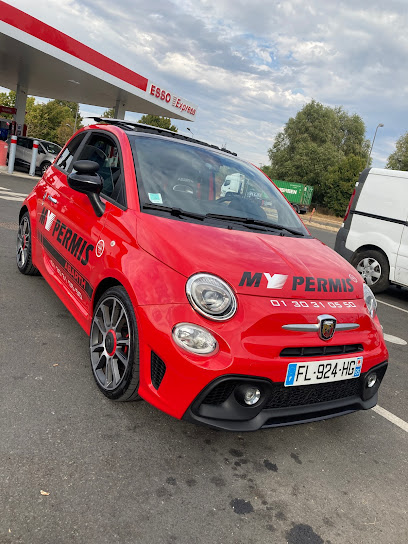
[(177, 382), (218, 404)]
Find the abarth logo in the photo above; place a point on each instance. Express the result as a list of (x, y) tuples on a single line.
[(327, 327)]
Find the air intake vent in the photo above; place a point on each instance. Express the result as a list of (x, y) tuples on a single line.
[(158, 370), (286, 397), (319, 351)]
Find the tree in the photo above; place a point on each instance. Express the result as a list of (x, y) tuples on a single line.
[(339, 183), (399, 159), (316, 139), (158, 121), (110, 113), (47, 121), (9, 99)]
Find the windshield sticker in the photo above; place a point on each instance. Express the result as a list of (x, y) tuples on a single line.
[(155, 198)]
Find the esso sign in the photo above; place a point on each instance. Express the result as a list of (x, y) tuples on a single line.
[(160, 93), (176, 102)]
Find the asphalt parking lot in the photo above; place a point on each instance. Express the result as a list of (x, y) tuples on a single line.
[(75, 467)]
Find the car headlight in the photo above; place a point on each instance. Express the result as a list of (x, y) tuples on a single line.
[(194, 338), (211, 296), (370, 301)]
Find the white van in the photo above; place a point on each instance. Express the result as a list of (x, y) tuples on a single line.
[(374, 234), (234, 183)]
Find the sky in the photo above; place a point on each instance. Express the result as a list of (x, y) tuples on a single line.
[(251, 65)]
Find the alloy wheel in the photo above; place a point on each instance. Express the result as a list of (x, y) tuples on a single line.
[(110, 343)]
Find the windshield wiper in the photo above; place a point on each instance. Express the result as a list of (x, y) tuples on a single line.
[(253, 222), (177, 212), (247, 221)]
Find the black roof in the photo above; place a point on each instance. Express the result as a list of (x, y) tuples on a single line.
[(140, 127)]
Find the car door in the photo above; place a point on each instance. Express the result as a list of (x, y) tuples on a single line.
[(23, 151), (401, 268), (68, 231)]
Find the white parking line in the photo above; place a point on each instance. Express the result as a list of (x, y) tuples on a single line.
[(392, 306), (15, 198), (394, 419), (394, 339), (7, 192)]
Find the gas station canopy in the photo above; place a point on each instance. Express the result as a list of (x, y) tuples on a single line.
[(39, 60)]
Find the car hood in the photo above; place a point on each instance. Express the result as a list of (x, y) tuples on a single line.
[(251, 262)]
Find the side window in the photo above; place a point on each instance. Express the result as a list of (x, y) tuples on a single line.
[(102, 149), (67, 155), (22, 142)]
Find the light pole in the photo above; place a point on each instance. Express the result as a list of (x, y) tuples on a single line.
[(372, 145)]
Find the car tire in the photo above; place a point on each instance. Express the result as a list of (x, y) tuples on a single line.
[(23, 254), (373, 266), (44, 166), (114, 346)]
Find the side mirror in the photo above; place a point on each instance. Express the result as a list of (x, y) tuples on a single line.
[(86, 180)]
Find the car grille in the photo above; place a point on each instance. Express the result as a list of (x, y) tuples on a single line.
[(157, 369), (285, 397), (319, 351)]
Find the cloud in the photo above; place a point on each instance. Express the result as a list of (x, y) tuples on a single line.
[(251, 65)]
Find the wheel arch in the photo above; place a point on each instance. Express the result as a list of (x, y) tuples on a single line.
[(23, 210), (103, 286), (368, 247)]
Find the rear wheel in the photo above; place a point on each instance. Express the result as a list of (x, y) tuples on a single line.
[(373, 267), (24, 262), (114, 346)]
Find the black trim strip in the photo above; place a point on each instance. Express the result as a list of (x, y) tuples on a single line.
[(381, 217), (70, 269)]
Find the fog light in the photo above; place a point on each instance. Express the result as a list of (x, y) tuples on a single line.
[(251, 395), (372, 380), (194, 338)]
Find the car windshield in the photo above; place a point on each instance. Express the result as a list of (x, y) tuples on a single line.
[(52, 148), (195, 183)]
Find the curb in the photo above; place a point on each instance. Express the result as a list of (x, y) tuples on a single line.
[(21, 175), (322, 226)]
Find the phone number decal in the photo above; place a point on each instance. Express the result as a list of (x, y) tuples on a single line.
[(66, 280), (312, 304)]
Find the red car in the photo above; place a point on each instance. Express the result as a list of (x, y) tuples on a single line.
[(221, 311)]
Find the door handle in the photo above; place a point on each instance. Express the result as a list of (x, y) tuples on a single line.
[(51, 199)]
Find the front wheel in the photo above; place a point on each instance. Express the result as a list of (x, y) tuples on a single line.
[(373, 267), (44, 166), (24, 248), (114, 346)]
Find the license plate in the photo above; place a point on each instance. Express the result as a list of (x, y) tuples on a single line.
[(312, 372)]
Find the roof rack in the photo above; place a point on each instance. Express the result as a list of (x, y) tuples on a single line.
[(140, 127)]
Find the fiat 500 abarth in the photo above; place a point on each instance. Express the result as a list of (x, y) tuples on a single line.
[(219, 310)]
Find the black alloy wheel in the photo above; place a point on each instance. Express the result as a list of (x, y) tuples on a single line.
[(24, 262), (114, 346)]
